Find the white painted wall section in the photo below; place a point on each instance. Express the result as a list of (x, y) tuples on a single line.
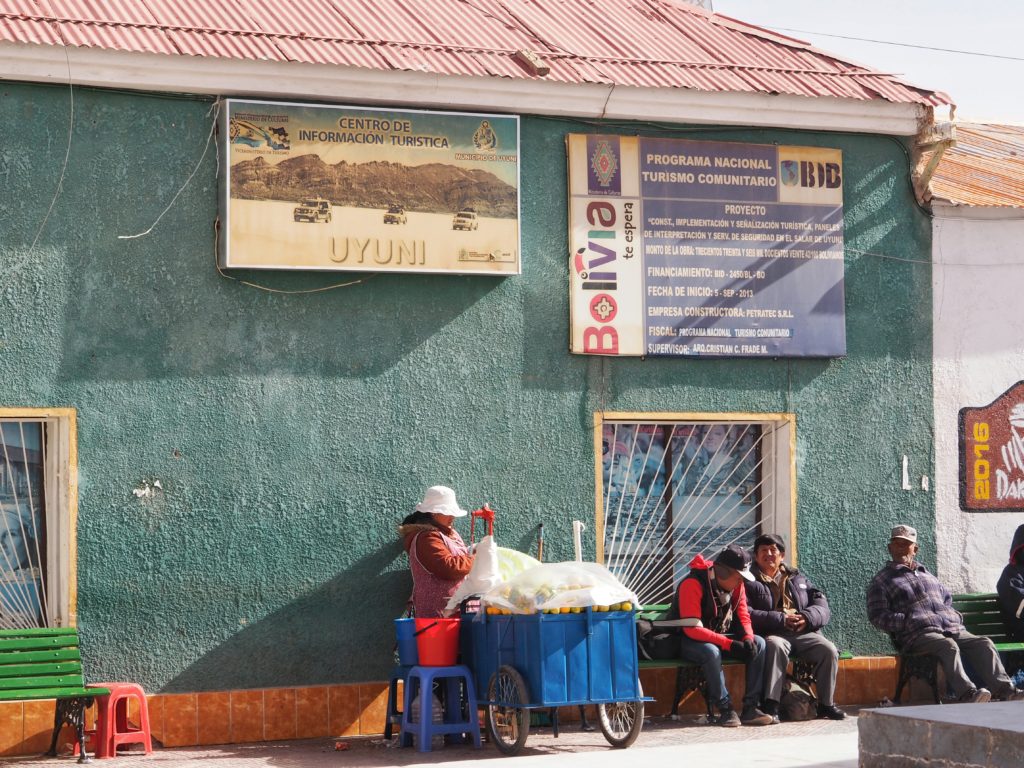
[(978, 312)]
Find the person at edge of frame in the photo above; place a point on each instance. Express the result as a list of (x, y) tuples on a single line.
[(916, 609)]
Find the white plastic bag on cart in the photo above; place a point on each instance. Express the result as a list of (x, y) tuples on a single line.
[(554, 586), (491, 566), (511, 563)]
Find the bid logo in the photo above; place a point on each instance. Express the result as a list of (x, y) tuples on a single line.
[(805, 173)]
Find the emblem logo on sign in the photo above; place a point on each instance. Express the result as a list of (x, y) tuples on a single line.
[(484, 137), (604, 163), (790, 170), (253, 135), (603, 307)]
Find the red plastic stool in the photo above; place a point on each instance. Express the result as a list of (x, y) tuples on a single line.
[(112, 727)]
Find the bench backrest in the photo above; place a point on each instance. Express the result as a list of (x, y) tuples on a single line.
[(40, 664), (982, 616)]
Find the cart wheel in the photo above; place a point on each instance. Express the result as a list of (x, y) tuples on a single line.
[(508, 726), (621, 721)]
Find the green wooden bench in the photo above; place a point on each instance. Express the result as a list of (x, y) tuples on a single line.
[(46, 664), (981, 617), (690, 676)]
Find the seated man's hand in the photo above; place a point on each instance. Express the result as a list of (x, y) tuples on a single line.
[(744, 649), (795, 622)]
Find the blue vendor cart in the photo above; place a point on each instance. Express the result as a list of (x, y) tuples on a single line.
[(547, 660)]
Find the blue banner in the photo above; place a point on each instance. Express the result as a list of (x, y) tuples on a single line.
[(740, 246)]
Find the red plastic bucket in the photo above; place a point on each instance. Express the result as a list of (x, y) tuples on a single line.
[(437, 641)]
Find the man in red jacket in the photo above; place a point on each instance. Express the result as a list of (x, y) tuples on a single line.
[(715, 621)]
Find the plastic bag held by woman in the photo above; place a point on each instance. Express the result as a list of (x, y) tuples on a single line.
[(492, 565)]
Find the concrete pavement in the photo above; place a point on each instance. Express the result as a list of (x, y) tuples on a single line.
[(817, 744)]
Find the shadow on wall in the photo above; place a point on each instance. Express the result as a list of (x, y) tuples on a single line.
[(197, 323), (341, 632)]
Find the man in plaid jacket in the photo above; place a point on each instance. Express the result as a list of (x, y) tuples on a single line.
[(914, 607)]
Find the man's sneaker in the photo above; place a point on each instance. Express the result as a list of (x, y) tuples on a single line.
[(727, 718), (975, 696), (831, 711), (754, 716), (771, 708)]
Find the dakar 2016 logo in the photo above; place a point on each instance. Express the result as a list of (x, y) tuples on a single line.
[(992, 454), (484, 138), (805, 173)]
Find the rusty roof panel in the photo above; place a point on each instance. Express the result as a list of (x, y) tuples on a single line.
[(19, 25), (230, 46), (596, 30), (640, 43), (984, 168), (212, 15), (315, 51), (301, 19), (108, 24), (124, 13), (116, 38), (483, 25)]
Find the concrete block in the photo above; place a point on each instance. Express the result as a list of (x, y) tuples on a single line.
[(943, 736)]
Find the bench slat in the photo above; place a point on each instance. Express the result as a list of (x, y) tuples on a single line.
[(37, 643), (51, 693), (31, 657), (38, 670), (38, 632), (15, 684)]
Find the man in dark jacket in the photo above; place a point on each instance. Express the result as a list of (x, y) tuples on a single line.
[(712, 611), (1011, 588), (789, 612)]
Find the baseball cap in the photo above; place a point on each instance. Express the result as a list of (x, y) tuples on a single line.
[(904, 532), (736, 557)]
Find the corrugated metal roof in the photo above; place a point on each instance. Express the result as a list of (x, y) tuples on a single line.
[(986, 167), (642, 43)]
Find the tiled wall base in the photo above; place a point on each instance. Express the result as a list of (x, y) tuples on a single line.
[(272, 714), (864, 680)]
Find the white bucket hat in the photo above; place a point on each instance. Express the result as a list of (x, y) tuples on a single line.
[(440, 500)]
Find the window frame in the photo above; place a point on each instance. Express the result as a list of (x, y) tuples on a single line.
[(780, 517), (60, 481)]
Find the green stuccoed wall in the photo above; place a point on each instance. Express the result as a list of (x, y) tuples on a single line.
[(290, 433)]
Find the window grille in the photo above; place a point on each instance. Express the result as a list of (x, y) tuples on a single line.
[(672, 490)]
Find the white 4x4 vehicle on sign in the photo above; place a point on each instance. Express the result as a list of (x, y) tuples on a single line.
[(313, 209), (395, 215), (465, 220)]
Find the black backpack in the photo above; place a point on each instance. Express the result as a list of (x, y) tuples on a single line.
[(798, 702), (655, 641)]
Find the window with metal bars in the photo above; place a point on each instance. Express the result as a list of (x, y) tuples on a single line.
[(35, 500), (672, 489)]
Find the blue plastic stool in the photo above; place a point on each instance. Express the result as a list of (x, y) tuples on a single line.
[(458, 683), (394, 717)]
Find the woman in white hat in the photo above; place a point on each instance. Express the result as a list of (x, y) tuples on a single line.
[(438, 557)]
